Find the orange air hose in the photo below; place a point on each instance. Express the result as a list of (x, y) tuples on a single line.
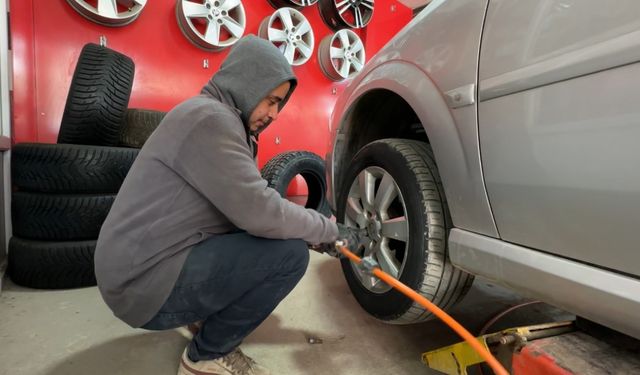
[(446, 318)]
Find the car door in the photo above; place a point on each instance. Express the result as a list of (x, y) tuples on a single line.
[(559, 127)]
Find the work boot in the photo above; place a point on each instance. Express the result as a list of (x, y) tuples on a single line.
[(234, 363)]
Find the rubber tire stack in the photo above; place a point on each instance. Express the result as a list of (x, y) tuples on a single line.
[(63, 192)]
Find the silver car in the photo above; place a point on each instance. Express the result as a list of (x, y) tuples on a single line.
[(498, 138)]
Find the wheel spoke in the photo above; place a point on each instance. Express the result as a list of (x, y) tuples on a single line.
[(345, 68), (388, 262), (367, 181), (285, 17), (303, 28), (344, 8), (358, 17), (357, 46), (212, 35), (108, 8), (336, 53), (357, 65), (304, 49), (234, 28), (229, 4), (344, 39), (367, 3), (387, 192), (289, 52), (396, 228), (140, 3), (193, 10), (355, 213), (276, 35)]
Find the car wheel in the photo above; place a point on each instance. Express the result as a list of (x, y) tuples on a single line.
[(393, 190)]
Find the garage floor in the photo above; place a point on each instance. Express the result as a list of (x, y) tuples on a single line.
[(72, 332)]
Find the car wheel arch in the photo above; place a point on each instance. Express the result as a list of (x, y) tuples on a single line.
[(395, 80)]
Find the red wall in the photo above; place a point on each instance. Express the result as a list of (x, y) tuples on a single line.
[(47, 36)]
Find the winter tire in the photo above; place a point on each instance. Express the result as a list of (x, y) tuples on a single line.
[(138, 126), (59, 217), (51, 265), (282, 169), (60, 168), (98, 97), (393, 190)]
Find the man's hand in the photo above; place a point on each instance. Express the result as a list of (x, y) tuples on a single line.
[(351, 238)]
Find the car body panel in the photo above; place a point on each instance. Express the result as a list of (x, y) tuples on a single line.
[(552, 136), (421, 83), (600, 295), (560, 158)]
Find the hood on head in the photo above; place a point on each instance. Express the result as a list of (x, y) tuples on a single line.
[(253, 68)]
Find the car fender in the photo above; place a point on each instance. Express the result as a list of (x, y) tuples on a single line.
[(459, 167)]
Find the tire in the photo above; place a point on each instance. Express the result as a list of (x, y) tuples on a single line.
[(421, 259), (98, 97), (54, 168), (282, 169), (138, 126), (51, 265), (57, 217)]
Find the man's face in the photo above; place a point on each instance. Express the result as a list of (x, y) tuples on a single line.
[(267, 109)]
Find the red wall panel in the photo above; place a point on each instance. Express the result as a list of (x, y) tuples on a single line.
[(47, 37)]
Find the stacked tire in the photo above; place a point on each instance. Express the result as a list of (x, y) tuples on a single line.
[(63, 192)]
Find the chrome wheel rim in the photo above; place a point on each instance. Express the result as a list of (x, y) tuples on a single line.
[(295, 3), (375, 203), (291, 32), (355, 13), (211, 24), (110, 12), (342, 55)]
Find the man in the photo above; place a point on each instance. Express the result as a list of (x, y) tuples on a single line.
[(195, 234)]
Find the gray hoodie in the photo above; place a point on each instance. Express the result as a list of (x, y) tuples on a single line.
[(193, 179)]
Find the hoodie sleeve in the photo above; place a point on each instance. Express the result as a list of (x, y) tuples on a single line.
[(216, 160)]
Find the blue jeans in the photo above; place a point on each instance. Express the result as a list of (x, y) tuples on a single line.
[(231, 282)]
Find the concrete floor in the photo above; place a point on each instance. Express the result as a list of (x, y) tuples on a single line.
[(72, 332)]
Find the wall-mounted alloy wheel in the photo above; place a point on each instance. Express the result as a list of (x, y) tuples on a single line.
[(346, 13), (291, 32), (291, 3), (211, 24), (341, 55), (109, 12)]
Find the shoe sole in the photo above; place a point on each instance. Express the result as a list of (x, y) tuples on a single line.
[(184, 369)]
